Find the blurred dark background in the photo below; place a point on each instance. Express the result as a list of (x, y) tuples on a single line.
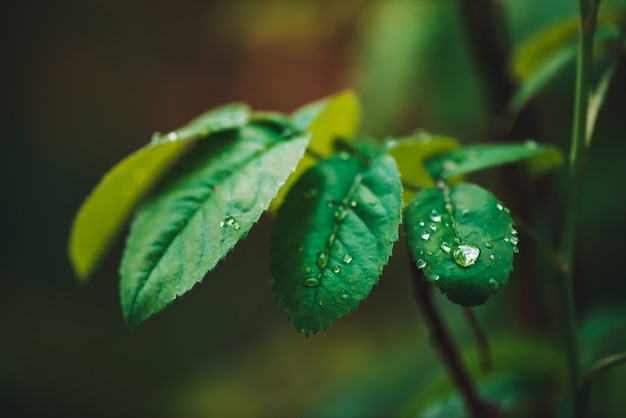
[(85, 82)]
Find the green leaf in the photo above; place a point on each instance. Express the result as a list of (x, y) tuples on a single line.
[(410, 154), (479, 157), (463, 238), (538, 60), (327, 120), (528, 380), (109, 205), (207, 203), (332, 237), (603, 339), (596, 100)]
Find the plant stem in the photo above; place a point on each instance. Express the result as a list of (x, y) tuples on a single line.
[(482, 342), (577, 162), (440, 337)]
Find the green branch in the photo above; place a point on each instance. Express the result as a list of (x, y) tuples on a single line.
[(577, 163)]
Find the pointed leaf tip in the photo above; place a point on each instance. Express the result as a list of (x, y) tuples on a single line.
[(202, 209)]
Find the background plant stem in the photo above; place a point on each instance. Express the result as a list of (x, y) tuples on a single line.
[(577, 162), (440, 337)]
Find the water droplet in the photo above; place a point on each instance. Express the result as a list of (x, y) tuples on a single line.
[(506, 238), (310, 193), (449, 207), (172, 136), (344, 155), (347, 259), (416, 203), (310, 282), (494, 286), (435, 216), (425, 235), (300, 249), (422, 223), (429, 252), (514, 240), (420, 263), (229, 221), (341, 214), (447, 225), (465, 255), (464, 213), (322, 260), (336, 269), (499, 206), (513, 231), (156, 137), (353, 204), (374, 202), (445, 247), (530, 144), (344, 293), (307, 269), (433, 227), (515, 250), (436, 277), (488, 245), (492, 257), (320, 303)]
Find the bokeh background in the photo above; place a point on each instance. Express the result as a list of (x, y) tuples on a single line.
[(85, 82)]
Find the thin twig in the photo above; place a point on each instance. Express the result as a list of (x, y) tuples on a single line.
[(482, 343), (475, 406)]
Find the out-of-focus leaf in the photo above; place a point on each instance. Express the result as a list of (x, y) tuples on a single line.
[(597, 100), (327, 119), (205, 206), (410, 154), (463, 239), (479, 157), (109, 205), (332, 237), (544, 55), (528, 379), (603, 339)]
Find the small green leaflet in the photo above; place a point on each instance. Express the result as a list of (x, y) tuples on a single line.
[(479, 157), (110, 204), (202, 209), (332, 237), (463, 238)]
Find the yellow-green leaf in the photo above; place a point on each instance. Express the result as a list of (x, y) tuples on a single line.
[(110, 204), (327, 119)]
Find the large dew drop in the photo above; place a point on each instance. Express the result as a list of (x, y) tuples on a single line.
[(420, 263), (465, 255), (347, 259)]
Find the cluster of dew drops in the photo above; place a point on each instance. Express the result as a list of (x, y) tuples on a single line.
[(465, 254)]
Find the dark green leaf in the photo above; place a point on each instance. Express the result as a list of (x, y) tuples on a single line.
[(463, 239), (528, 380), (603, 339), (209, 202), (332, 237), (479, 157), (109, 205)]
